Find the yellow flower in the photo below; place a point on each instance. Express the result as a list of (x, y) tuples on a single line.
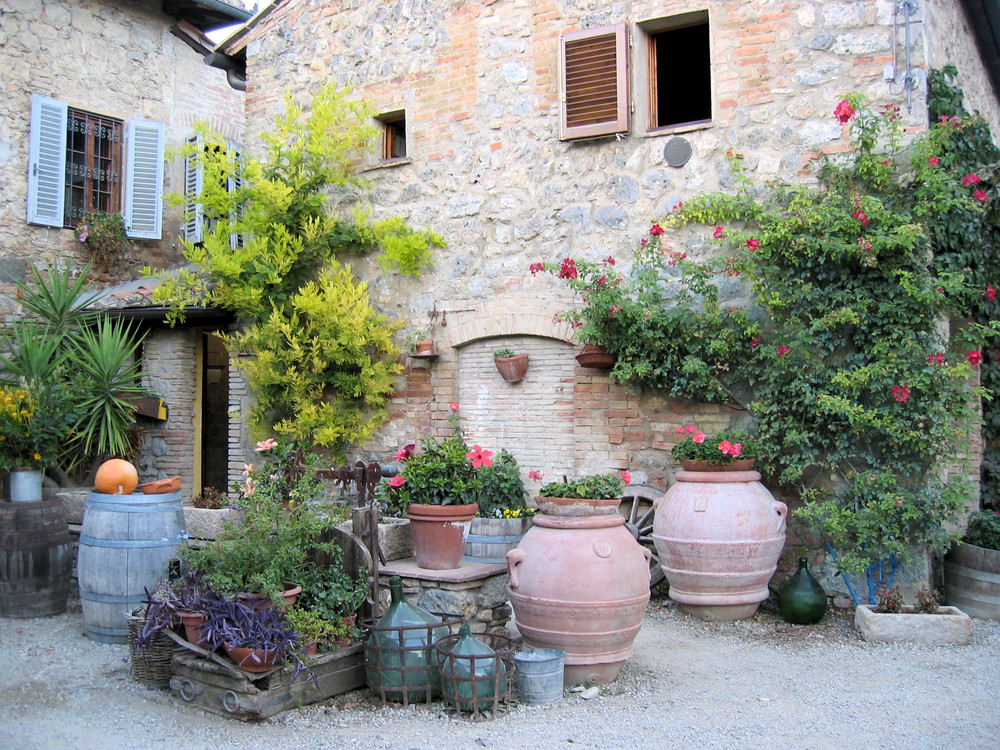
[(38, 456)]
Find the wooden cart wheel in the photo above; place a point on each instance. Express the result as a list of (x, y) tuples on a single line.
[(637, 507)]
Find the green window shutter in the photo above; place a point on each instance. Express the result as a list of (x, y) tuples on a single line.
[(47, 162), (144, 180), (594, 97)]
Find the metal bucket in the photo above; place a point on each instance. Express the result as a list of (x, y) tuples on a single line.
[(540, 675)]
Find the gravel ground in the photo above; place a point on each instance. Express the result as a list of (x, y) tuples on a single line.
[(759, 683)]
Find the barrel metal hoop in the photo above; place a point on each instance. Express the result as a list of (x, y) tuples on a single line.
[(127, 543)]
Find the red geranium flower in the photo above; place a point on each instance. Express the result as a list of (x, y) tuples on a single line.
[(397, 481), (844, 111), (626, 477), (535, 268), (753, 244), (901, 393), (935, 359), (975, 358), (656, 230), (783, 350), (971, 179), (698, 437), (980, 195), (991, 293), (719, 233), (568, 269), (933, 161)]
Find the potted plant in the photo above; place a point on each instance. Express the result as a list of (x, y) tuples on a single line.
[(283, 516), (318, 633), (925, 622), (35, 422), (419, 345), (718, 531), (503, 516), (438, 489), (595, 494), (972, 567), (510, 364), (103, 237), (256, 638), (181, 601)]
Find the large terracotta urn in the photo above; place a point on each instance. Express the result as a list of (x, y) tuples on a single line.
[(719, 534), (579, 582)]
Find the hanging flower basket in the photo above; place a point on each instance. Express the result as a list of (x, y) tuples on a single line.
[(512, 369), (596, 357)]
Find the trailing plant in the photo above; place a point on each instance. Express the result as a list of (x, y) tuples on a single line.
[(319, 360), (819, 311), (104, 239), (591, 487)]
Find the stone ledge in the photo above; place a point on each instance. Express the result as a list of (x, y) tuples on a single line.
[(949, 627)]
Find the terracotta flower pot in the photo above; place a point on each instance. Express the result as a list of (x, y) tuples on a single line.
[(440, 533), (192, 628), (719, 534), (288, 598), (253, 659), (596, 357), (512, 369)]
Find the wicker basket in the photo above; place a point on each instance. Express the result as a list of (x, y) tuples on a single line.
[(150, 665)]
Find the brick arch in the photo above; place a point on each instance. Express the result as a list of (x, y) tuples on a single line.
[(532, 318)]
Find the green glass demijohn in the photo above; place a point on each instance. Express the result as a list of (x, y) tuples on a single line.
[(802, 601), (400, 658), (469, 673)]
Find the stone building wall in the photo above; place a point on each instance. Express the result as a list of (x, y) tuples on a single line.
[(122, 61), (479, 85), (116, 60)]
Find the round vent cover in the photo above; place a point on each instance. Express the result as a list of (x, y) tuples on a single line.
[(677, 152)]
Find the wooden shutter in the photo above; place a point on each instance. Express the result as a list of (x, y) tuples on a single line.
[(47, 162), (144, 180), (194, 216), (595, 93)]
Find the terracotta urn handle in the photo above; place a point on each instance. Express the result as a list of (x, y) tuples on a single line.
[(514, 557), (782, 510), (647, 552)]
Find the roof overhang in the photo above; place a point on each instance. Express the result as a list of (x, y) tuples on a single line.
[(206, 15), (984, 18)]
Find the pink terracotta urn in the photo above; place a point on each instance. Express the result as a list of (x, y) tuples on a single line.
[(719, 534), (580, 583)]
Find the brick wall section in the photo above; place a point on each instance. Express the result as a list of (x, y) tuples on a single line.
[(168, 447)]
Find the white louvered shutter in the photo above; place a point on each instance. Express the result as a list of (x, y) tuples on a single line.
[(194, 215), (233, 184), (47, 161), (144, 180)]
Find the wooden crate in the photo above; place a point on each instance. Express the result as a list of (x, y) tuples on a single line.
[(223, 689)]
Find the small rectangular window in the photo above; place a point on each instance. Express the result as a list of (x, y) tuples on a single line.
[(393, 135), (679, 70)]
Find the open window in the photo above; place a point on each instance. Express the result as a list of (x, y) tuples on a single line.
[(393, 126), (594, 97), (678, 67), (196, 223), (80, 162)]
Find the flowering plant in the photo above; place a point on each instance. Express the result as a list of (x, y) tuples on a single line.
[(591, 487), (35, 423), (449, 472), (721, 449), (599, 286)]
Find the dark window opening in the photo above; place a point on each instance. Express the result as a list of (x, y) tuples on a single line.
[(393, 136), (93, 165), (680, 76)]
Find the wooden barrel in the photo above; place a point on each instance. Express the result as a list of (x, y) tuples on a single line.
[(490, 539), (36, 559), (972, 580), (126, 542)]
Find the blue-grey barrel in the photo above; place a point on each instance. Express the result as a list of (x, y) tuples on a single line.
[(126, 543)]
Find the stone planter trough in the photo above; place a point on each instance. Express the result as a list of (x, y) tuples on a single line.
[(950, 626)]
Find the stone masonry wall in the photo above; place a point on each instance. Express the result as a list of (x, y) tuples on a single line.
[(114, 59), (479, 85)]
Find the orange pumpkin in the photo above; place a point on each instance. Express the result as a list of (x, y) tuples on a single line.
[(116, 477)]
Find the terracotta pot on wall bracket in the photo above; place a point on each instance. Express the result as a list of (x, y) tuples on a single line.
[(440, 533), (512, 369), (424, 348), (719, 534), (596, 357)]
